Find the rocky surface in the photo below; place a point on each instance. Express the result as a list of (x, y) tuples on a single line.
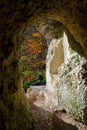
[(49, 117), (66, 78), (16, 17), (72, 85)]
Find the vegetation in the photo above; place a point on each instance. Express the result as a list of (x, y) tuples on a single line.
[(32, 61)]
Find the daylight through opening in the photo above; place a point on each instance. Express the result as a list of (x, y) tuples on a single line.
[(33, 59)]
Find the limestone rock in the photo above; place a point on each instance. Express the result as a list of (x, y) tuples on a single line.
[(15, 18), (68, 87), (72, 85)]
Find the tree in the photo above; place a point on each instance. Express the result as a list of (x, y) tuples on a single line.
[(32, 62)]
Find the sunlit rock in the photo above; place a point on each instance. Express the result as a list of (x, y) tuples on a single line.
[(52, 65), (66, 78)]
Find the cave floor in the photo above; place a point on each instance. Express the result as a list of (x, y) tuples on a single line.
[(49, 117)]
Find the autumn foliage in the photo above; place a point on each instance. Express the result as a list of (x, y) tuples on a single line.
[(36, 49), (32, 62)]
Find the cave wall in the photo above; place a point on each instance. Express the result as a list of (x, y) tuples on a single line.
[(15, 18), (67, 85), (14, 109), (72, 78)]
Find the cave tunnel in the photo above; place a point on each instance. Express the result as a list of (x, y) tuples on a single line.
[(16, 17)]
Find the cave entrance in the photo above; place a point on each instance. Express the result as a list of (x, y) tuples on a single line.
[(63, 56), (36, 41), (16, 18)]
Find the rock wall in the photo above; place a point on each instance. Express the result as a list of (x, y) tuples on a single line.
[(55, 58), (67, 78), (14, 109), (15, 18)]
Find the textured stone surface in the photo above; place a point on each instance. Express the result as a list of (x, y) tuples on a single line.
[(15, 18), (72, 85), (68, 87), (52, 65)]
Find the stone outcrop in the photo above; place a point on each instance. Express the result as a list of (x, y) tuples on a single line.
[(66, 78), (15, 18)]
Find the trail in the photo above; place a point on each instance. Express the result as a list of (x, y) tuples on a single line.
[(49, 117)]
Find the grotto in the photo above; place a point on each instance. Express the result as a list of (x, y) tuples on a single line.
[(63, 23)]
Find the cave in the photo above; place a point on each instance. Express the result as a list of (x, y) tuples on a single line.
[(16, 17)]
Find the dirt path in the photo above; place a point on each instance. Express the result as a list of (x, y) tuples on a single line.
[(53, 120)]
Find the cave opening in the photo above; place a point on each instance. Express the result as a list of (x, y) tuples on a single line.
[(64, 64), (70, 78), (32, 62), (36, 41), (64, 56)]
